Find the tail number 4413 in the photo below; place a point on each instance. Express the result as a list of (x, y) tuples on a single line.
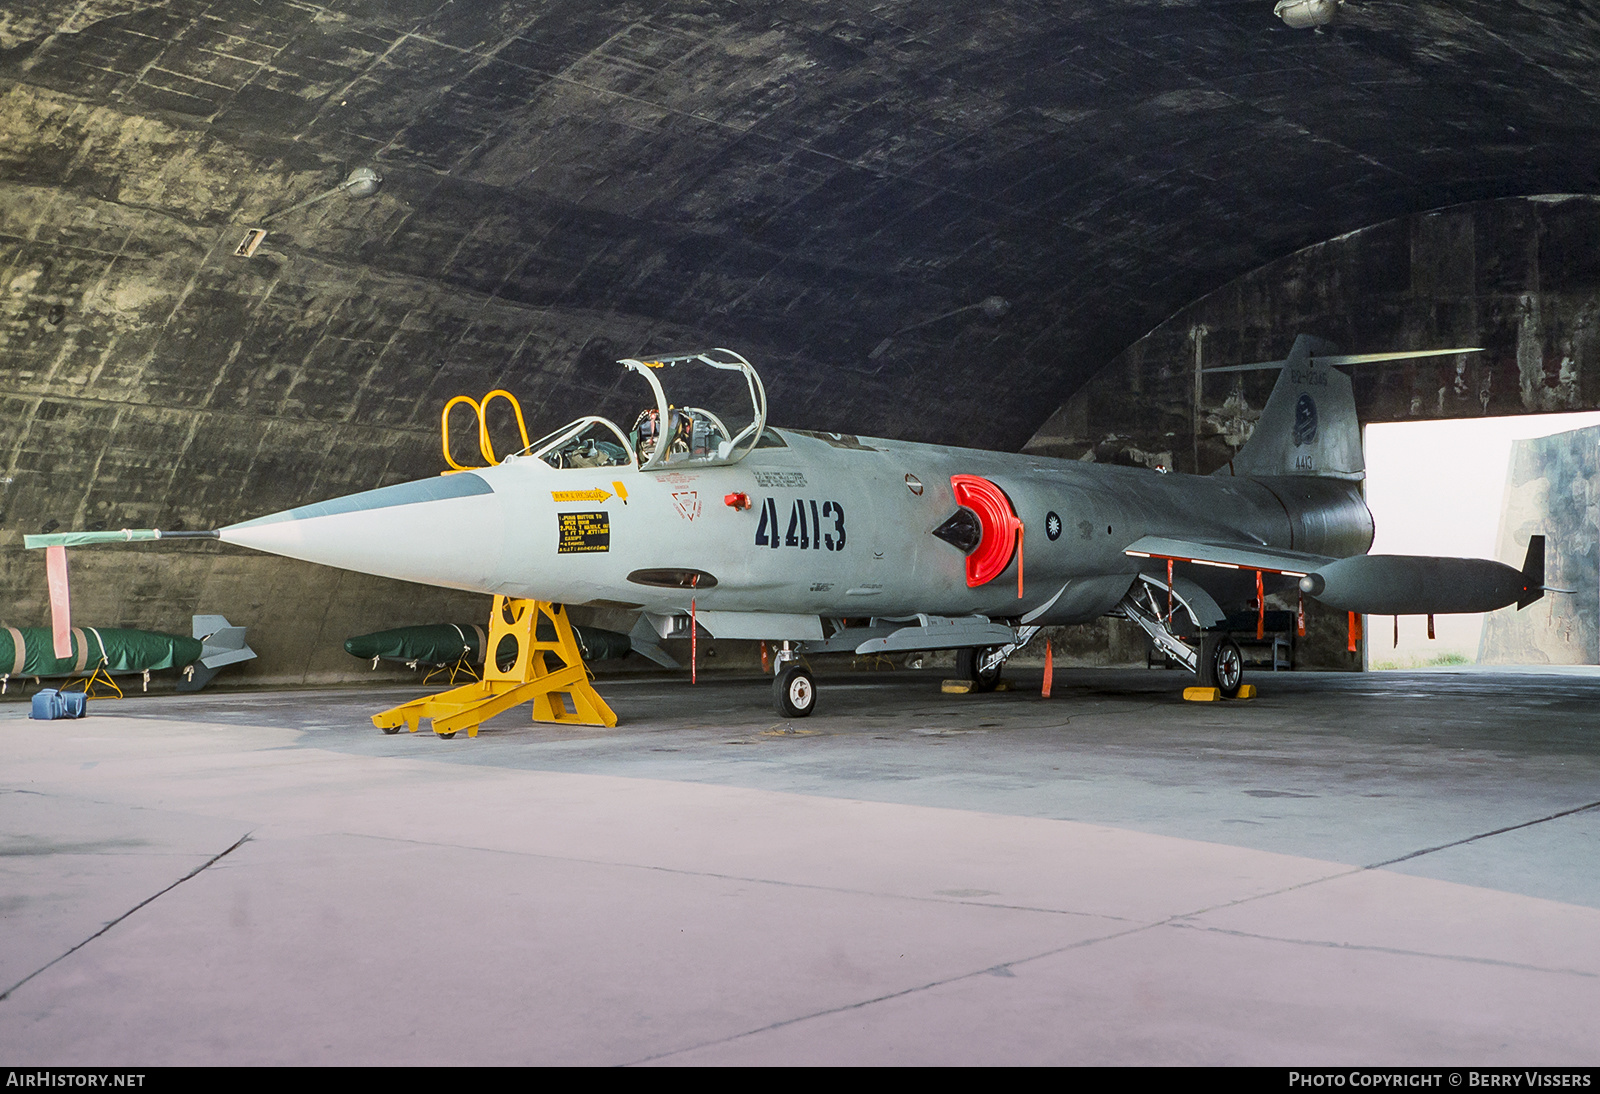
[(813, 526)]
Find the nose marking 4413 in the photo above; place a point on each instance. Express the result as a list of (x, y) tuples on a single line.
[(811, 527)]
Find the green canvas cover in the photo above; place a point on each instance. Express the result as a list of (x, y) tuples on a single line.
[(122, 649), (433, 644), (598, 645), (593, 643), (444, 643)]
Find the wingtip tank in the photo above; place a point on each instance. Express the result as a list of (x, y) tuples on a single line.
[(1420, 585)]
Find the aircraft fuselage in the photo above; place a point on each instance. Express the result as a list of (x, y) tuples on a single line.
[(836, 526)]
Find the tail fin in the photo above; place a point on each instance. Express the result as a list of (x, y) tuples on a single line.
[(1532, 573), (1308, 426), (221, 644)]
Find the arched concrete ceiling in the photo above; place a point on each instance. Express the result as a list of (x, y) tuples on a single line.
[(798, 181)]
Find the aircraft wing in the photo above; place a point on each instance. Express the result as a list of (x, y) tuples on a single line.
[(1228, 556)]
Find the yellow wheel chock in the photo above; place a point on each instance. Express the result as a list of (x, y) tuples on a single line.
[(516, 670), (1212, 695)]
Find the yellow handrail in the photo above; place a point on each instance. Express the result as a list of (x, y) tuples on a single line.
[(480, 408), (444, 428), (484, 444)]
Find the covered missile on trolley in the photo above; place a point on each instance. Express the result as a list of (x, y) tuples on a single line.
[(29, 651), (441, 644)]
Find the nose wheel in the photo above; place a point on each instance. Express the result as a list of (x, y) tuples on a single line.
[(794, 692)]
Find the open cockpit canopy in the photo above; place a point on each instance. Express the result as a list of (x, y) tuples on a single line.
[(717, 412), (587, 442), (716, 415)]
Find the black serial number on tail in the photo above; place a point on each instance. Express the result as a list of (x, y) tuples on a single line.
[(813, 526)]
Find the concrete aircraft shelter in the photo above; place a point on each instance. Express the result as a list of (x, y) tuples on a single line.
[(1015, 225)]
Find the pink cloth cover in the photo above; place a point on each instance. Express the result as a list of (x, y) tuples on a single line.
[(55, 567)]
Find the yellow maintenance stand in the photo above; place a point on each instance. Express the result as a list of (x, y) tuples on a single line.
[(516, 670)]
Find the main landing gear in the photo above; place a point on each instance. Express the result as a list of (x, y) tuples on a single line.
[(981, 666), (1213, 658), (1221, 665)]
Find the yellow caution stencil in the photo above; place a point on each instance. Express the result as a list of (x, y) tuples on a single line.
[(593, 494), (622, 492)]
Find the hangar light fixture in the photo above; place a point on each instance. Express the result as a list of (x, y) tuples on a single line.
[(363, 182), (1308, 13)]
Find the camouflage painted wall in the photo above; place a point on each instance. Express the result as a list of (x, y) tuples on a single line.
[(1551, 491), (150, 379)]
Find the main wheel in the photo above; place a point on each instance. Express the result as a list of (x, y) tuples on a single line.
[(794, 692), (1221, 665), (967, 662)]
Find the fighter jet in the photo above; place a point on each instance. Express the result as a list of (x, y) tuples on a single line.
[(701, 515)]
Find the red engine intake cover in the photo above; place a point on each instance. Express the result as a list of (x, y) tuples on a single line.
[(1000, 524)]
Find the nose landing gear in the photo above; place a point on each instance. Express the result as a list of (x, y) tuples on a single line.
[(794, 689), (794, 692)]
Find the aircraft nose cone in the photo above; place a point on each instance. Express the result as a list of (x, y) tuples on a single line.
[(443, 531)]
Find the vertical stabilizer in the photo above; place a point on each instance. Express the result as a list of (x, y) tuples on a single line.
[(221, 643), (1308, 426), (1533, 585)]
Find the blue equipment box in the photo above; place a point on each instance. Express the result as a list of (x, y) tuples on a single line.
[(50, 703)]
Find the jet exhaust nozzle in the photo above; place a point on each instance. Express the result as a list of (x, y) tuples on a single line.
[(1419, 585)]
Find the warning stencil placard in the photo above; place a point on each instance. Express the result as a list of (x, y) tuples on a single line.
[(584, 532)]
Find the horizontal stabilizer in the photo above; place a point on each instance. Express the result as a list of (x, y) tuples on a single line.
[(221, 644), (215, 657), (1338, 359)]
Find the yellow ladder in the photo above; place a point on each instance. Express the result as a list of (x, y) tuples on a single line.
[(526, 677)]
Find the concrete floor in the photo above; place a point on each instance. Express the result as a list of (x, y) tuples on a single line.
[(1381, 869)]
